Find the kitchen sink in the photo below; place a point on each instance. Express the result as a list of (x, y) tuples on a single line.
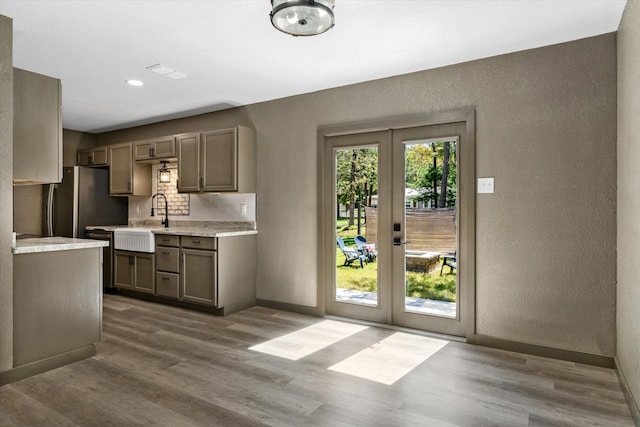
[(134, 239)]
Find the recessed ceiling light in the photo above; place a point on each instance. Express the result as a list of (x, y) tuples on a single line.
[(135, 82)]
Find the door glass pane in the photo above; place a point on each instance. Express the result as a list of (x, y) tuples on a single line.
[(431, 227), (356, 206)]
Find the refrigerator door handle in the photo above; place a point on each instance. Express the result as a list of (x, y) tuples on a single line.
[(49, 208)]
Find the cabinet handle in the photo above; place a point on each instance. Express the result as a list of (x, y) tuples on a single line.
[(91, 159), (164, 253), (201, 182), (130, 260), (195, 242), (165, 278)]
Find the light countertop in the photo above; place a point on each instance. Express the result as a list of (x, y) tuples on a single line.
[(207, 231), (52, 244), (204, 232)]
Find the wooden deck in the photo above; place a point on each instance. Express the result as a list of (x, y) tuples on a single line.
[(160, 365)]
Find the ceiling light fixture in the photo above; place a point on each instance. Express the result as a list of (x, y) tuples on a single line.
[(302, 17), (165, 175), (135, 82)]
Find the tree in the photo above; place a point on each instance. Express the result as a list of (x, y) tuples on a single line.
[(445, 175), (418, 157), (428, 164), (357, 178), (428, 184)]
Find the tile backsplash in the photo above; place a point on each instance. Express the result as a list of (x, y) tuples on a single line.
[(178, 202), (202, 206)]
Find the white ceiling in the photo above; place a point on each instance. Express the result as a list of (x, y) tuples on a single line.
[(233, 55)]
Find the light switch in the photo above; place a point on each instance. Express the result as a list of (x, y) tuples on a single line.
[(485, 185)]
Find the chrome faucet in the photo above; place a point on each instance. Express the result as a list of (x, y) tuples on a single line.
[(165, 221)]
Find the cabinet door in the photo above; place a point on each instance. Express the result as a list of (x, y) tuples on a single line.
[(123, 276), (164, 147), (142, 150), (144, 273), (99, 157), (93, 157), (37, 128), (84, 157), (121, 171), (188, 162), (219, 160), (198, 277)]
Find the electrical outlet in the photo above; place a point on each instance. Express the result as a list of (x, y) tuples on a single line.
[(485, 185)]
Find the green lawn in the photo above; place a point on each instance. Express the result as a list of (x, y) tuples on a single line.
[(419, 285)]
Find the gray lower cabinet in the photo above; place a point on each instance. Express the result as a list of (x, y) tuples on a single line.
[(168, 266), (208, 271), (135, 271), (186, 268), (198, 276)]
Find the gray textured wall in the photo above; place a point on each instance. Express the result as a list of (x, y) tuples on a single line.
[(27, 209), (546, 130), (72, 142), (6, 193), (628, 322)]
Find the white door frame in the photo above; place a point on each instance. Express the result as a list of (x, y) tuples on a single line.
[(326, 232)]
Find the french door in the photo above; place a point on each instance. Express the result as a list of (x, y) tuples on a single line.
[(398, 226)]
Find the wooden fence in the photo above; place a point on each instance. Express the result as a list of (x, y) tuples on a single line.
[(432, 230)]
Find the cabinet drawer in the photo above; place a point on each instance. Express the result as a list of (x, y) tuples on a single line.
[(167, 285), (168, 259), (194, 242), (166, 240)]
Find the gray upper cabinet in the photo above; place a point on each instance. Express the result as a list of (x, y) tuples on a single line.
[(217, 161), (159, 148), (188, 146), (127, 177), (93, 157), (37, 128)]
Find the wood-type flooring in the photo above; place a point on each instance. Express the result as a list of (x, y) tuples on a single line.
[(166, 366)]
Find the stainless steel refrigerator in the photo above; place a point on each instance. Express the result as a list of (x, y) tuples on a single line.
[(81, 199)]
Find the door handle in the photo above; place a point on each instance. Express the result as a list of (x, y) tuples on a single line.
[(397, 241)]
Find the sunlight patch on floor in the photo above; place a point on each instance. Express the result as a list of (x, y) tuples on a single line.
[(303, 342), (390, 359)]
